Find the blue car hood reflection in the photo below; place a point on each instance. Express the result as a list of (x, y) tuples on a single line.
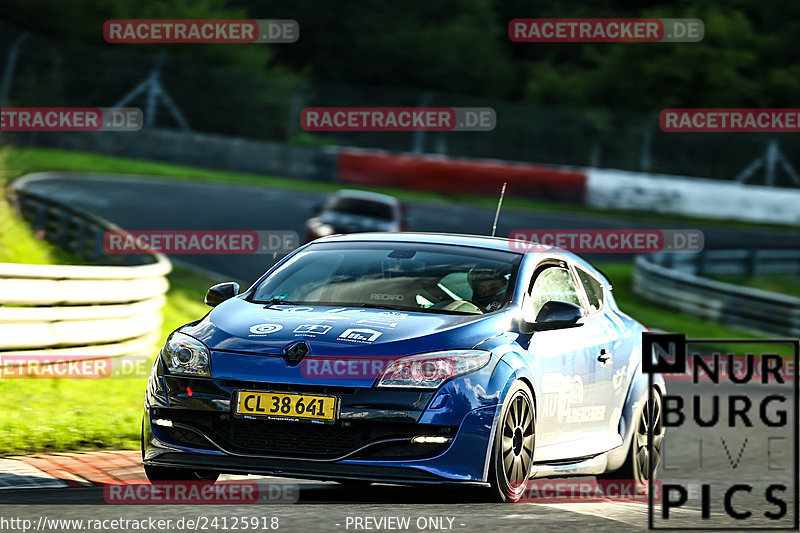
[(240, 326)]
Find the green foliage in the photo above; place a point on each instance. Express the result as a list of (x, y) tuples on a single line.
[(82, 21), (449, 45), (719, 71), (747, 57), (788, 284)]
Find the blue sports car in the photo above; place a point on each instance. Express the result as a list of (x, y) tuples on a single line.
[(407, 358)]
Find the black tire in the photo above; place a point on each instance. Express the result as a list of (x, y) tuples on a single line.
[(512, 451), (636, 465), (156, 474)]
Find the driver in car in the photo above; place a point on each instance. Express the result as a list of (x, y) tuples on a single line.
[(489, 287)]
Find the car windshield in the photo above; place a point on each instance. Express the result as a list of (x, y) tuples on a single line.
[(366, 208), (417, 277)]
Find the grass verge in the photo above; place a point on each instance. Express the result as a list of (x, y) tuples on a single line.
[(18, 242), (787, 284)]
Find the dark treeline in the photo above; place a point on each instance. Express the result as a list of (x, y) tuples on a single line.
[(748, 57)]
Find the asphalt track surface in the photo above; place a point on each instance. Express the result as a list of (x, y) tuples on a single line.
[(152, 204), (693, 455), (327, 506)]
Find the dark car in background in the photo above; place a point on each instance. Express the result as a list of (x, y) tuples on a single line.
[(354, 211)]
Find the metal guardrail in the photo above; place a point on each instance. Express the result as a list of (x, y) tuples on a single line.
[(70, 228), (75, 310), (676, 281), (746, 263)]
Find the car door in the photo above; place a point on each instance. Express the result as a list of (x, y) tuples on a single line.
[(557, 359), (605, 360), (571, 414), (615, 375)]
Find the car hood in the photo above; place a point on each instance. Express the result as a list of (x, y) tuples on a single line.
[(237, 325)]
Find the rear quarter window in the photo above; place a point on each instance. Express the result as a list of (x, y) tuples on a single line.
[(593, 288)]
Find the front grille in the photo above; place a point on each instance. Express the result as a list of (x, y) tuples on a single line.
[(406, 450), (187, 437), (299, 439)]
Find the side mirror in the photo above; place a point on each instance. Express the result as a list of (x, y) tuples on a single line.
[(554, 315), (221, 292)]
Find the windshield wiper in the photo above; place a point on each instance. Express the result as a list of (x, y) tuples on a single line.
[(365, 305), (279, 301), (392, 307), (404, 308)]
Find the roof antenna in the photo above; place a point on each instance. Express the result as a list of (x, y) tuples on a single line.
[(499, 205)]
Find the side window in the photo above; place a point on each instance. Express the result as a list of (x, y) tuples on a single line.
[(553, 283), (593, 288)]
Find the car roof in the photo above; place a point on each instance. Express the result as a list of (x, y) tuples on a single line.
[(367, 195), (457, 239)]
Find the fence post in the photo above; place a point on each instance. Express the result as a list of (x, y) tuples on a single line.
[(64, 220), (752, 263), (97, 251), (40, 220), (11, 64), (419, 135), (700, 263), (80, 236)]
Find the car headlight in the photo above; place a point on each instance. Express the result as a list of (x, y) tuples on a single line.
[(323, 230), (430, 370), (186, 355)]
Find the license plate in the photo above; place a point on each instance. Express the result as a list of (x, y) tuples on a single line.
[(286, 406)]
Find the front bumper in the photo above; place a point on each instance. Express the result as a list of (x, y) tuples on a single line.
[(370, 441), (461, 460)]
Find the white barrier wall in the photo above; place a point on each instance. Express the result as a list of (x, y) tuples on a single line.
[(70, 309), (695, 197)]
